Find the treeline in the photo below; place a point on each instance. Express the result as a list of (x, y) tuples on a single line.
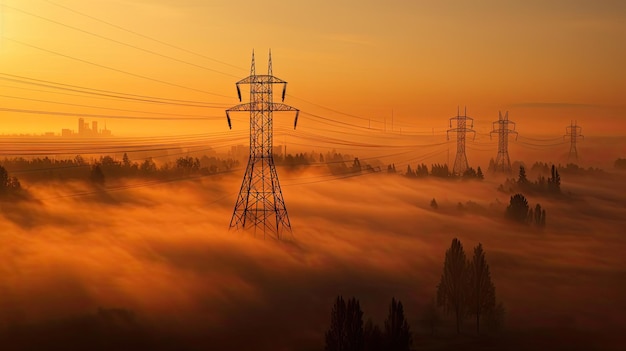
[(10, 186), (542, 185), (574, 169), (77, 168), (347, 332), (108, 167), (519, 211), (438, 171), (337, 163), (309, 158)]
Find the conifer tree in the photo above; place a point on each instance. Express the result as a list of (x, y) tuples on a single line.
[(482, 296), (452, 290)]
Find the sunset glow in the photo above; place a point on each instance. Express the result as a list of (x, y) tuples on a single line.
[(422, 126), (545, 62)]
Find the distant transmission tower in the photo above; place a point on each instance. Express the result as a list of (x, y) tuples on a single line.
[(503, 162), (460, 162), (260, 202), (573, 132)]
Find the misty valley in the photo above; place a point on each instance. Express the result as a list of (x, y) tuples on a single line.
[(190, 175), (126, 252)]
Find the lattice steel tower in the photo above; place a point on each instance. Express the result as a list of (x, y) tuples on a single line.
[(503, 162), (460, 162), (573, 132), (260, 203)]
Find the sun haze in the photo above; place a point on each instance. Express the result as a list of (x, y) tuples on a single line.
[(435, 175)]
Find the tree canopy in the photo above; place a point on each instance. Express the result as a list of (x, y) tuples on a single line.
[(482, 294), (346, 326), (397, 331), (518, 209), (452, 289)]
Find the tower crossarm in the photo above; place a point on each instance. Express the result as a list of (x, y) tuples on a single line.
[(461, 130), (268, 106), (573, 136), (465, 118), (503, 130), (261, 78)]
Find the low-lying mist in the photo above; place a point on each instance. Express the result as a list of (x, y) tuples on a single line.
[(164, 254)]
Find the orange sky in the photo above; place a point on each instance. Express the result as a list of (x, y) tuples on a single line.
[(547, 62)]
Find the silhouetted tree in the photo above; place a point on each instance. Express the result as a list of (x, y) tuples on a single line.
[(517, 209), (433, 204), (126, 161), (188, 164), (373, 337), (431, 318), (346, 326), (442, 171), (398, 335), (356, 165), (543, 218), (79, 160), (453, 287), (148, 166), (8, 185), (4, 180), (479, 174), (554, 182), (522, 180), (409, 172), (422, 170), (96, 176), (469, 173), (482, 297), (108, 161)]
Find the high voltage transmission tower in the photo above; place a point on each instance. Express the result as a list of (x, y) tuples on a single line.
[(503, 162), (460, 162), (573, 132), (260, 203)]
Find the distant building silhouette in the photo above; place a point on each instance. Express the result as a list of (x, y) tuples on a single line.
[(85, 131)]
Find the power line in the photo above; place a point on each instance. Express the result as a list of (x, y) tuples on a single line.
[(185, 50), (100, 107), (106, 93), (74, 114), (143, 35), (345, 113), (115, 69), (119, 42)]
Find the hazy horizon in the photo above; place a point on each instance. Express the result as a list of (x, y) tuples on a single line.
[(115, 229)]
